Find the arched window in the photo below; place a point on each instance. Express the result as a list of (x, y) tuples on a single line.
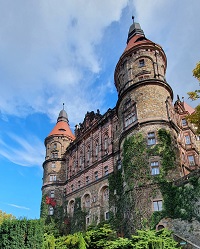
[(86, 201), (71, 207), (106, 194)]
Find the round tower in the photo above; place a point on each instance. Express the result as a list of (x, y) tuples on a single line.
[(54, 174), (141, 84)]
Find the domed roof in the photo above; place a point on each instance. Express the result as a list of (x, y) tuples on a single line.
[(62, 126)]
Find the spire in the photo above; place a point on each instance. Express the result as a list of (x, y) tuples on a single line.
[(63, 116), (62, 126), (135, 29)]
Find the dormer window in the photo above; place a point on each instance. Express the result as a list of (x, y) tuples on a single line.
[(141, 63)]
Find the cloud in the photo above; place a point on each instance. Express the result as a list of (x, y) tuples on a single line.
[(174, 25), (48, 53), (27, 151), (16, 206)]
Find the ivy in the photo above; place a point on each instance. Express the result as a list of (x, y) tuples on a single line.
[(77, 222)]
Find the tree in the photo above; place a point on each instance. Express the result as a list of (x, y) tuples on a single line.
[(5, 216), (194, 118)]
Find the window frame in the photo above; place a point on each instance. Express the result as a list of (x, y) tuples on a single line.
[(151, 138), (157, 207), (155, 165)]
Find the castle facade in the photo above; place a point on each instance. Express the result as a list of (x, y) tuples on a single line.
[(77, 166)]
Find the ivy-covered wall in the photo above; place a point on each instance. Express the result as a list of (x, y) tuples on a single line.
[(133, 188)]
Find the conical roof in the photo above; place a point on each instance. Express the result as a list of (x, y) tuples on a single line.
[(62, 126), (136, 36)]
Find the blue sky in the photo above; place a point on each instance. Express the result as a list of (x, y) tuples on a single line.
[(54, 52)]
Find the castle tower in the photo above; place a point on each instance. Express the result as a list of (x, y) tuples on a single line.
[(141, 85), (54, 170), (144, 109)]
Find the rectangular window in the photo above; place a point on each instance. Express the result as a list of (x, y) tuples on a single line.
[(96, 175), (87, 220), (107, 216), (52, 178), (51, 210), (141, 63), (53, 165), (184, 122), (151, 138), (157, 205), (106, 170), (87, 180), (52, 194), (187, 139), (155, 170), (191, 160), (72, 187), (79, 184), (54, 155), (130, 118)]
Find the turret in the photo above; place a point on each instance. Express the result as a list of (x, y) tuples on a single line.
[(140, 82), (56, 143)]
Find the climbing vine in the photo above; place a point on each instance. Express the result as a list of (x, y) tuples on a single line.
[(136, 181), (78, 221)]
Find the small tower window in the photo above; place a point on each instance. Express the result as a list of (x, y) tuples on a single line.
[(151, 138), (141, 63), (51, 210), (52, 178), (52, 195)]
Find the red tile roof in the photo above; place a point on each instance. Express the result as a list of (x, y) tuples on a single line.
[(133, 41), (62, 128)]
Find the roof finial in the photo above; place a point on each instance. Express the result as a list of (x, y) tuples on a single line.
[(133, 18), (63, 106)]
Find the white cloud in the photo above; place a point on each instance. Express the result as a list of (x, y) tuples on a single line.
[(174, 25), (17, 206), (27, 151), (48, 53)]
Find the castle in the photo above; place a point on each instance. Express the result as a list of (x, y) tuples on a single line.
[(77, 166)]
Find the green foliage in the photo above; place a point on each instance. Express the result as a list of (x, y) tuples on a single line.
[(155, 218), (136, 175), (21, 234), (196, 71), (96, 238), (44, 208), (78, 220), (194, 118), (4, 216), (49, 241), (116, 200), (71, 241), (154, 239), (119, 243)]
